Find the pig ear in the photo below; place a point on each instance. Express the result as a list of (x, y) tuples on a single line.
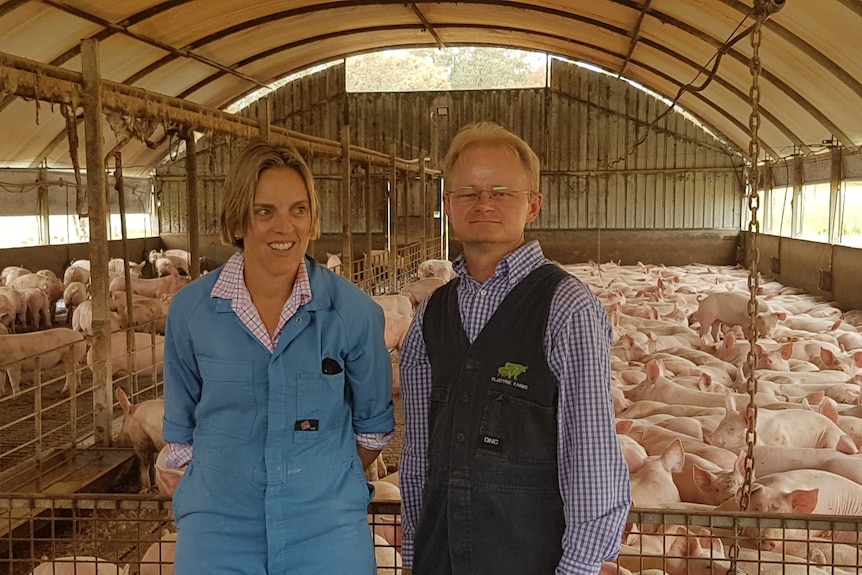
[(729, 402), (787, 351), (836, 325), (673, 457), (704, 382), (758, 351), (804, 501), (654, 370), (702, 478), (815, 397), (827, 356), (624, 426), (653, 313), (857, 359), (845, 445), (828, 408), (729, 341), (124, 401), (127, 406), (781, 315)]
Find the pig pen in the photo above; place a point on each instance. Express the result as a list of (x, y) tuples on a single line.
[(43, 419), (125, 530), (653, 312), (129, 529)]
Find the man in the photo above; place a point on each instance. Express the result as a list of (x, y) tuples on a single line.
[(510, 461)]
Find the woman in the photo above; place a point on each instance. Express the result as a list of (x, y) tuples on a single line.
[(277, 390)]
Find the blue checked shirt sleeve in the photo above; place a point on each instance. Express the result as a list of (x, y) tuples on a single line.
[(415, 394), (374, 441), (594, 479)]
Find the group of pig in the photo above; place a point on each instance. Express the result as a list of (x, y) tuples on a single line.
[(680, 366), (28, 301), (398, 308)]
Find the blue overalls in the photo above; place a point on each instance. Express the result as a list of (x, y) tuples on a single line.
[(275, 486)]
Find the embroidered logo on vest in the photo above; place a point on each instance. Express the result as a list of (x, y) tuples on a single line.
[(509, 373)]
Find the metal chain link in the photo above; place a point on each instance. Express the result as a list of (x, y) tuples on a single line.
[(753, 276)]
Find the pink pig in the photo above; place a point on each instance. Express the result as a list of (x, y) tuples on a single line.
[(159, 558), (731, 309), (652, 483), (142, 430), (801, 428), (79, 565)]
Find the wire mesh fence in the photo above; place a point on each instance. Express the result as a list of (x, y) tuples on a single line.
[(128, 531)]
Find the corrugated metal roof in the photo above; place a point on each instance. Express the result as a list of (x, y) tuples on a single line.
[(214, 51)]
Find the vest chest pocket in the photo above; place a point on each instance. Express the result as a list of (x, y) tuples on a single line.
[(227, 405), (438, 419), (517, 430)]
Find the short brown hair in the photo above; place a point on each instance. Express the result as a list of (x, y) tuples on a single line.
[(241, 183), (491, 134)]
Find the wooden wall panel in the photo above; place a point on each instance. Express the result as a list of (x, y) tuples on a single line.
[(583, 127)]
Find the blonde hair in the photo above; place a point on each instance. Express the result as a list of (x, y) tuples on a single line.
[(241, 183), (491, 134)]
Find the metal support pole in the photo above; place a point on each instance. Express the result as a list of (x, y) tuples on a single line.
[(98, 209), (192, 198), (796, 204)]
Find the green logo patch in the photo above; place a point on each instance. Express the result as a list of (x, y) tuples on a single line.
[(511, 370)]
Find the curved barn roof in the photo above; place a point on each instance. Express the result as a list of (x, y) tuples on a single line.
[(214, 51)]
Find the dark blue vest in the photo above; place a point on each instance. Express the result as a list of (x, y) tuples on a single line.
[(491, 503)]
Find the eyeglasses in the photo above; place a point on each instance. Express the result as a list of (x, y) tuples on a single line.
[(471, 195)]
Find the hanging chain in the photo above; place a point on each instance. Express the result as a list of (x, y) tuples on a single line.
[(753, 276)]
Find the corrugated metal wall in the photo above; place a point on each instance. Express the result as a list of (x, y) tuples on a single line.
[(581, 127)]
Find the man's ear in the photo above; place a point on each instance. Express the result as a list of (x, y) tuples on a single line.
[(535, 205)]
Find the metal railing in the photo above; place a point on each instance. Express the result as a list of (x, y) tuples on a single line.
[(378, 274), (126, 529), (43, 420)]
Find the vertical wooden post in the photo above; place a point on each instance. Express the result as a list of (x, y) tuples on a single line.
[(263, 117), (44, 212), (346, 204), (836, 213), (98, 209), (796, 203), (408, 191), (192, 198), (119, 186), (393, 231), (368, 197), (423, 213)]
